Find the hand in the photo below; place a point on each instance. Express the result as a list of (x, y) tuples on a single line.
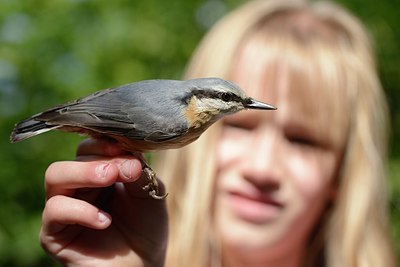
[(97, 215)]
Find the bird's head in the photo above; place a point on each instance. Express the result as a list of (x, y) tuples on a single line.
[(209, 99)]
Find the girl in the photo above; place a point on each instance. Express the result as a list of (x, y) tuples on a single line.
[(301, 186)]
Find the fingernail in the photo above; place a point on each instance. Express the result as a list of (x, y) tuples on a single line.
[(102, 170), (127, 167), (102, 217)]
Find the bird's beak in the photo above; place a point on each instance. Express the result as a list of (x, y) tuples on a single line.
[(254, 104)]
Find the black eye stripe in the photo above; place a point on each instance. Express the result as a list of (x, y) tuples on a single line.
[(228, 97), (224, 96)]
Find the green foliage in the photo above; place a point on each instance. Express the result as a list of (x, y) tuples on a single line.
[(57, 50), (394, 204)]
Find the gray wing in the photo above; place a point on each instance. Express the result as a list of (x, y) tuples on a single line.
[(138, 111)]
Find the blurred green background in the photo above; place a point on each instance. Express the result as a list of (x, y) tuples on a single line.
[(57, 50)]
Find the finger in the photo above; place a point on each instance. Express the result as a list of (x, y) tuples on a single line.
[(61, 211), (62, 178), (99, 147)]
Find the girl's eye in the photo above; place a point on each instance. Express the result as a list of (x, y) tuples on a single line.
[(301, 136), (301, 140), (238, 125)]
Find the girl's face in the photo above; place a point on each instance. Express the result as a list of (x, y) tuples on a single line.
[(276, 169)]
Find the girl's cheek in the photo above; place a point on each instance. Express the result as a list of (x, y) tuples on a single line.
[(231, 146), (312, 173)]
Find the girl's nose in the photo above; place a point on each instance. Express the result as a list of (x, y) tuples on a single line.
[(262, 163)]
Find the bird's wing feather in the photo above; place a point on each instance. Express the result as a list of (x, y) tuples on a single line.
[(116, 111), (160, 136)]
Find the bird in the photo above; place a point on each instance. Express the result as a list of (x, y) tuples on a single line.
[(145, 116)]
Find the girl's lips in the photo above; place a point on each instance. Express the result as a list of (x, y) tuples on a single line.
[(258, 197), (255, 208)]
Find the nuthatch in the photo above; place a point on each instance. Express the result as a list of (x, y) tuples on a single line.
[(146, 115)]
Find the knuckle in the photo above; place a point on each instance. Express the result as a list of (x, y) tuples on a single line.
[(52, 171), (88, 147), (81, 147), (53, 204), (62, 208), (43, 240), (52, 209)]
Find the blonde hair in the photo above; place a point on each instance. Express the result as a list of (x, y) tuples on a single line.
[(355, 230)]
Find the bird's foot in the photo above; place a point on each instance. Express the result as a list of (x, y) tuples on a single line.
[(152, 185)]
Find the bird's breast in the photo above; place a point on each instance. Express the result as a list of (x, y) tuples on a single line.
[(132, 145)]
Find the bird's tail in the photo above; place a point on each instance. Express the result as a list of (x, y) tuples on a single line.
[(30, 127)]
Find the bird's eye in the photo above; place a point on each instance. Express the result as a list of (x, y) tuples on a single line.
[(226, 97)]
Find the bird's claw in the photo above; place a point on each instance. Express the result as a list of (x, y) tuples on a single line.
[(152, 184)]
